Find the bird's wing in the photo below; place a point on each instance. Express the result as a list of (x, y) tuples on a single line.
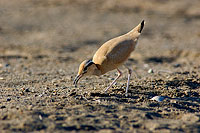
[(114, 52), (120, 51)]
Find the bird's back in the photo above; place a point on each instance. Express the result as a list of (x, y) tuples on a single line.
[(113, 53), (116, 51)]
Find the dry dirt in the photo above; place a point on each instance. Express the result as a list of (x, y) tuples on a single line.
[(42, 43)]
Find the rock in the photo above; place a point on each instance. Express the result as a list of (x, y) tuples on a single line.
[(2, 107), (177, 65), (158, 98), (53, 81), (150, 71), (40, 117), (27, 90), (7, 65), (8, 99)]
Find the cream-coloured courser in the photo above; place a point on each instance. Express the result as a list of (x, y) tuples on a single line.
[(111, 55)]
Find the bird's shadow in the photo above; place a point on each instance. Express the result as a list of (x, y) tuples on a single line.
[(112, 96), (161, 59), (13, 57), (188, 82), (74, 47)]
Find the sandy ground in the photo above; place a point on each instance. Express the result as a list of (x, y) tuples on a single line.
[(42, 43)]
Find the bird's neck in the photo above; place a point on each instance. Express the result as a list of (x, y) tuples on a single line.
[(97, 71)]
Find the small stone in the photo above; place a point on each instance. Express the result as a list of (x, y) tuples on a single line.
[(22, 92), (52, 100), (41, 95), (111, 78), (150, 71), (158, 98), (176, 65), (30, 107), (27, 90), (187, 92), (173, 101), (53, 80), (7, 65), (40, 117), (2, 107), (8, 99), (1, 78)]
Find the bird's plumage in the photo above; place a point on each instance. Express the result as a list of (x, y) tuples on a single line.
[(112, 54)]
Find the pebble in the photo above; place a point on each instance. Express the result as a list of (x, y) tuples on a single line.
[(1, 78), (150, 71), (111, 78), (41, 95), (7, 65), (187, 92), (53, 80), (8, 99), (173, 101), (40, 117), (30, 107), (177, 65), (27, 90), (2, 107), (158, 98)]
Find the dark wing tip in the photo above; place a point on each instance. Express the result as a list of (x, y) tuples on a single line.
[(142, 26)]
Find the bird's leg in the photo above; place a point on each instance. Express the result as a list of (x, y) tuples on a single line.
[(119, 75), (128, 81)]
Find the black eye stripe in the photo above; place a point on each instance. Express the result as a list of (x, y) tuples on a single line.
[(88, 63), (85, 69)]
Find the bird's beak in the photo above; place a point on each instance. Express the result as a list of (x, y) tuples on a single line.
[(77, 79)]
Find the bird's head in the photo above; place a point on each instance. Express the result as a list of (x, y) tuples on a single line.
[(86, 68)]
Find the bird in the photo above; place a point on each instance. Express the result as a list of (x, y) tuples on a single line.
[(110, 56)]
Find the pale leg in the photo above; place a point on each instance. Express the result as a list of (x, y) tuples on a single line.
[(119, 75), (128, 81)]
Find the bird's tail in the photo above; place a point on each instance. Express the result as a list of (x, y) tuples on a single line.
[(141, 26), (138, 28)]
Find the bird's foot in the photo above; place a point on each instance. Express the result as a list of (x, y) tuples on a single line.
[(107, 89)]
